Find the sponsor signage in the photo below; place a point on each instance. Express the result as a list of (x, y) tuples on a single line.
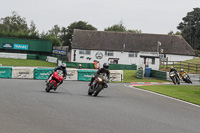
[(21, 46), (7, 45), (59, 52), (99, 55)]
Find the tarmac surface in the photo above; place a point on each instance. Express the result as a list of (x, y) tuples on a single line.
[(26, 108)]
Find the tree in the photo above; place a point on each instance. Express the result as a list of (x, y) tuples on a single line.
[(190, 28), (55, 31), (121, 28), (116, 27), (76, 25), (16, 26), (172, 33), (51, 37)]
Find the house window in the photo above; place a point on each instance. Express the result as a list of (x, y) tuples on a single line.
[(109, 53), (86, 52), (153, 61), (132, 54)]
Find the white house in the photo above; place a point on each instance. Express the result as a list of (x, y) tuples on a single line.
[(144, 50)]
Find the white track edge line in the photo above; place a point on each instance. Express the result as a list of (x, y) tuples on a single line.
[(163, 96)]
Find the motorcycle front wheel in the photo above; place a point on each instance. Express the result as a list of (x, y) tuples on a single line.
[(99, 88), (49, 87), (90, 90)]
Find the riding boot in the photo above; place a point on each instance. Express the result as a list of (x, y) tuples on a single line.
[(90, 84)]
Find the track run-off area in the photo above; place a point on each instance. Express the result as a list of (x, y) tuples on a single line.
[(25, 107)]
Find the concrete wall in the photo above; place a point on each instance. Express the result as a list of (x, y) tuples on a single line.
[(172, 57)]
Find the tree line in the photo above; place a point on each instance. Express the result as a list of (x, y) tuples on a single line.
[(16, 26)]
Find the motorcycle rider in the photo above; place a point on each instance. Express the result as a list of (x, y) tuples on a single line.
[(182, 73), (105, 69), (63, 69), (172, 69)]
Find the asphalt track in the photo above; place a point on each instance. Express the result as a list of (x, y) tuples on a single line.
[(26, 108)]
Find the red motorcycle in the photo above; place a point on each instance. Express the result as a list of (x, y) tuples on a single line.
[(53, 81)]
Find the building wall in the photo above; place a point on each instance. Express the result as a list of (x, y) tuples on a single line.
[(172, 57), (122, 56)]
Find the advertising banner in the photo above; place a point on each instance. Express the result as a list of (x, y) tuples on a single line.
[(72, 74), (13, 55), (5, 72), (59, 52), (42, 73), (7, 45), (85, 75), (22, 72), (51, 59), (116, 75), (21, 46)]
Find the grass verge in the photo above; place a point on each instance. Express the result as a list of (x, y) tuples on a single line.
[(189, 93), (27, 62), (130, 76)]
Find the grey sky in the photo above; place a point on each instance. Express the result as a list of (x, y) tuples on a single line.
[(150, 16)]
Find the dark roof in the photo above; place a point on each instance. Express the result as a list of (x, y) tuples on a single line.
[(114, 41)]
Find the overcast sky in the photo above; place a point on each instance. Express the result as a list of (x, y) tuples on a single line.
[(149, 16)]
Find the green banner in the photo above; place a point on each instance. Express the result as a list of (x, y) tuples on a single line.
[(5, 72), (85, 75), (42, 73)]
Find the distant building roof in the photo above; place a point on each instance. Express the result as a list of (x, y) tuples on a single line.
[(114, 41)]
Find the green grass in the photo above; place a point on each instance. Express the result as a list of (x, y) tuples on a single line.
[(193, 64), (23, 62), (189, 93), (195, 61), (130, 76)]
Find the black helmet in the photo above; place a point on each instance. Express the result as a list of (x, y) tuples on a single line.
[(63, 66), (105, 65)]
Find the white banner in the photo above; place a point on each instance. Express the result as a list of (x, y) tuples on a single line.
[(51, 59), (23, 72), (116, 75), (59, 62), (13, 55), (72, 74)]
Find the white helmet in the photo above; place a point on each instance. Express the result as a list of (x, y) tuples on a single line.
[(181, 70), (63, 66)]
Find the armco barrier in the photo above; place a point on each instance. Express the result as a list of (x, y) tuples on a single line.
[(5, 72), (22, 72)]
